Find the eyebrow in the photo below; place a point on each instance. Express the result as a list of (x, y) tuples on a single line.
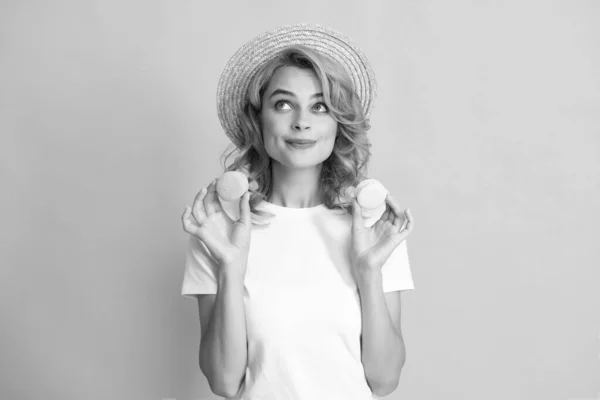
[(287, 92)]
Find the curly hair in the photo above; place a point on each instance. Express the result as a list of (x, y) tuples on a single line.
[(347, 164)]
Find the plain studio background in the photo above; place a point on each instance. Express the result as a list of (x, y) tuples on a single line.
[(486, 125)]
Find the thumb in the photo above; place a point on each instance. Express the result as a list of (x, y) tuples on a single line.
[(357, 219), (245, 209)]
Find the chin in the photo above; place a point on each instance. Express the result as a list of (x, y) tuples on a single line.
[(299, 158), (298, 162)]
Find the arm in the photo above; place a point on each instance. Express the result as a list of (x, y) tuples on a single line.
[(223, 347), (382, 347)]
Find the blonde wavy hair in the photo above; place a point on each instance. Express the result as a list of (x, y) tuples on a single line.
[(347, 164)]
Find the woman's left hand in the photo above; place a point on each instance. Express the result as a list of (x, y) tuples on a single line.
[(371, 247)]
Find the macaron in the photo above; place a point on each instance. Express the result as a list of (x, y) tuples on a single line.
[(371, 194), (232, 185), (371, 216)]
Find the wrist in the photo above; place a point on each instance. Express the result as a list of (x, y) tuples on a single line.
[(232, 271), (369, 277)]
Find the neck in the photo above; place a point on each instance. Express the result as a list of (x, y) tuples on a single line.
[(295, 188)]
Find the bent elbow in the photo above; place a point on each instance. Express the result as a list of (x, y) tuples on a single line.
[(230, 388), (221, 389), (386, 390), (221, 386)]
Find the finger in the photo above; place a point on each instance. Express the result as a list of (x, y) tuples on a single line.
[(391, 200), (357, 219), (384, 218), (408, 214), (217, 203), (209, 200), (385, 215), (410, 223), (198, 211), (245, 209), (401, 223), (397, 223), (390, 216), (184, 218), (188, 222), (399, 237), (212, 242)]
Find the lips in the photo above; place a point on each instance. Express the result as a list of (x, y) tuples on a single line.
[(301, 144), (300, 141)]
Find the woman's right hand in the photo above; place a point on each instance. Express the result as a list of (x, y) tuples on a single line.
[(228, 241)]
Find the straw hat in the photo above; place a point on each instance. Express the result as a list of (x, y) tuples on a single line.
[(236, 75)]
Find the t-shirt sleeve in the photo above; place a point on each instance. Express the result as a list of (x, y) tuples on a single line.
[(395, 273), (200, 275)]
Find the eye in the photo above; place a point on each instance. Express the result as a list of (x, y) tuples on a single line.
[(280, 102), (323, 107)]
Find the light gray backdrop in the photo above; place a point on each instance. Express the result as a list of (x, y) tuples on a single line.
[(487, 126)]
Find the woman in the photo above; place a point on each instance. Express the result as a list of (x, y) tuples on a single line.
[(305, 304)]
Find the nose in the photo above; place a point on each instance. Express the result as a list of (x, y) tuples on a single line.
[(301, 122)]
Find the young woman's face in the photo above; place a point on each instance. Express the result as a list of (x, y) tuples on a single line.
[(293, 109)]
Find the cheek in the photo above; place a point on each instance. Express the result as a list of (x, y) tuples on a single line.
[(331, 130), (271, 131), (273, 126)]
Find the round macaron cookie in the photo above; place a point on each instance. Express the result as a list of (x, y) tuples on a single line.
[(232, 185), (371, 194), (371, 216)]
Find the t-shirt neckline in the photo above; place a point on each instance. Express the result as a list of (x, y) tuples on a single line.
[(291, 210)]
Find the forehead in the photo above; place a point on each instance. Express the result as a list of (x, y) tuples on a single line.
[(297, 80)]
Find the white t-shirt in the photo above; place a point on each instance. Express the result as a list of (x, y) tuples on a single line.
[(302, 305)]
